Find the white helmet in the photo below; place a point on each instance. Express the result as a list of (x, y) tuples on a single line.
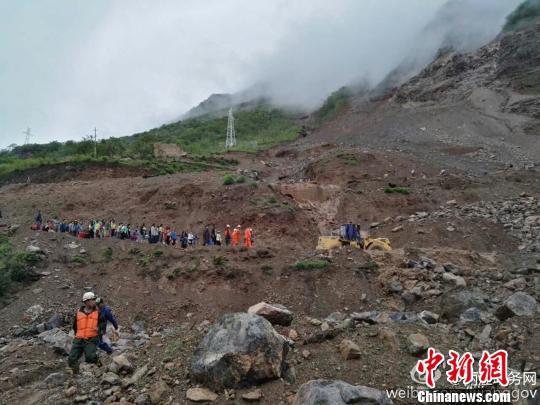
[(88, 296)]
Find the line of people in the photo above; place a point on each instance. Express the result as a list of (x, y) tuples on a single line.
[(100, 229), (230, 237)]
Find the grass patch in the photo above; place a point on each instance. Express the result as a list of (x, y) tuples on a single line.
[(219, 261), (310, 264), (333, 105), (15, 265), (399, 190), (372, 264), (229, 179), (173, 274), (80, 260), (145, 260), (349, 159), (108, 253)]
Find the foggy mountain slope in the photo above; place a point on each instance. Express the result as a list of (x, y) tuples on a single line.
[(476, 111), (459, 25)]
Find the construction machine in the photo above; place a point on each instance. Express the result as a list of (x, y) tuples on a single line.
[(356, 239)]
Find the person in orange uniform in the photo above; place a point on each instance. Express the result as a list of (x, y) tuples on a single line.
[(247, 238), (86, 325), (236, 236)]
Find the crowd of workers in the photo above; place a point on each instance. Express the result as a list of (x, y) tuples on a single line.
[(100, 229)]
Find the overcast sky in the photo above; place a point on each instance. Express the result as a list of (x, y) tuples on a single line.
[(129, 65)]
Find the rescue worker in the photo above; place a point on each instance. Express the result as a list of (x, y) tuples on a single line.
[(109, 317), (39, 220), (227, 234), (87, 324), (247, 238), (236, 236)]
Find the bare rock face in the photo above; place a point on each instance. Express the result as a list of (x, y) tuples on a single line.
[(336, 392), (238, 351), (275, 313)]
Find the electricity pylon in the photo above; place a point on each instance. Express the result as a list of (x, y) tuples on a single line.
[(230, 142), (28, 134)]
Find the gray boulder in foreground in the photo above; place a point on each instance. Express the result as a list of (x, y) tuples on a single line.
[(238, 351), (518, 304), (336, 392)]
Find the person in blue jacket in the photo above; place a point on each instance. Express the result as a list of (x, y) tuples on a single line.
[(109, 317)]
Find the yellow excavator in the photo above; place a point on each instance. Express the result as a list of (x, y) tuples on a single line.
[(356, 239)]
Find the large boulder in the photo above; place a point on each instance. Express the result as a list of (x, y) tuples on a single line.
[(518, 304), (455, 301), (275, 313), (58, 339), (336, 392), (238, 351)]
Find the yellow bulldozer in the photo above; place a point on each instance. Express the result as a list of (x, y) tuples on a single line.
[(357, 239)]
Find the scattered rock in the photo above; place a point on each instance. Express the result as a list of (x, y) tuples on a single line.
[(253, 396), (137, 375), (275, 313), (389, 338), (516, 284), (336, 392), (143, 399), (349, 350), (397, 228), (55, 380), (201, 395), (457, 280), (110, 378), (293, 334), (158, 391), (471, 315), (238, 351), (71, 391), (417, 343), (33, 249), (138, 327), (123, 363), (335, 318), (58, 339), (34, 312), (518, 304), (371, 317), (429, 317)]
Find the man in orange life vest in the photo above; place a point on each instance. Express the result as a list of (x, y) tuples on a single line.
[(248, 235), (88, 322), (236, 236)]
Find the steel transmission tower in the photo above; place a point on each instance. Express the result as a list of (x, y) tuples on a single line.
[(230, 142), (28, 134)]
